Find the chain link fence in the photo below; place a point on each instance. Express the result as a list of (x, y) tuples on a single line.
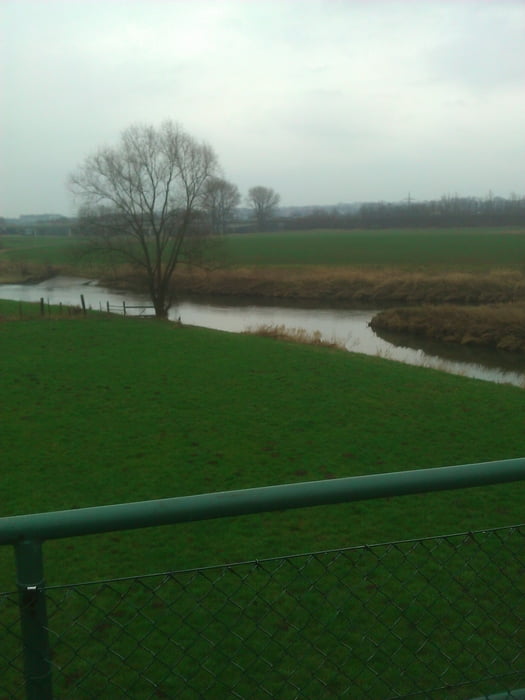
[(432, 618)]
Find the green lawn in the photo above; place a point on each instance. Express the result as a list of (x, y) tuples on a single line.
[(105, 410), (102, 410)]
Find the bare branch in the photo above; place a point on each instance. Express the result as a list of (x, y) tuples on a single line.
[(264, 201), (220, 200), (140, 199)]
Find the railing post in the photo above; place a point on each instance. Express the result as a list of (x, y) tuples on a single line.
[(33, 620)]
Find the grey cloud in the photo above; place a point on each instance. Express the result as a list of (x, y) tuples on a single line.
[(323, 100), (487, 53)]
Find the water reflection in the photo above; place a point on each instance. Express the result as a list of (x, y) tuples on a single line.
[(495, 359), (347, 327)]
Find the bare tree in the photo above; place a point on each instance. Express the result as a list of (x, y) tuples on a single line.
[(263, 201), (141, 201), (220, 200)]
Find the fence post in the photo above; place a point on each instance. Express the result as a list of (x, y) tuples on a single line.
[(33, 620), (83, 301), (124, 307)]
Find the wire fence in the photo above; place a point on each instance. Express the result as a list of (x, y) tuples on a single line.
[(434, 618)]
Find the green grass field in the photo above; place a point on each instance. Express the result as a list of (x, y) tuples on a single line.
[(50, 250), (105, 410), (465, 249)]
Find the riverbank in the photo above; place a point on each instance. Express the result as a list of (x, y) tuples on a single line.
[(351, 285), (471, 308), (27, 274), (500, 326)]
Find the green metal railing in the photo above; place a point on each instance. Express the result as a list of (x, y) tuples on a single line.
[(307, 591)]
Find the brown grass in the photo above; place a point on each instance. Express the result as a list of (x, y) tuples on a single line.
[(25, 273), (355, 285), (294, 335), (317, 283), (500, 326)]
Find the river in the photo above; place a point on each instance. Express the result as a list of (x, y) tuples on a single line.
[(347, 327)]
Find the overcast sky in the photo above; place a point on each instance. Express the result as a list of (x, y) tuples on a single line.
[(325, 101)]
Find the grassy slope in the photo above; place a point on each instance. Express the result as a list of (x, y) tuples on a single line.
[(97, 411), (102, 410)]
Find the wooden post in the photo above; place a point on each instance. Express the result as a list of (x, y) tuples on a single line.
[(83, 304), (124, 307)]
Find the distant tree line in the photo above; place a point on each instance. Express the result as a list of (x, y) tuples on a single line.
[(447, 211), (13, 227), (219, 212)]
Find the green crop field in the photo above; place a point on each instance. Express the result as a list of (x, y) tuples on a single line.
[(51, 250), (450, 248), (465, 249)]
